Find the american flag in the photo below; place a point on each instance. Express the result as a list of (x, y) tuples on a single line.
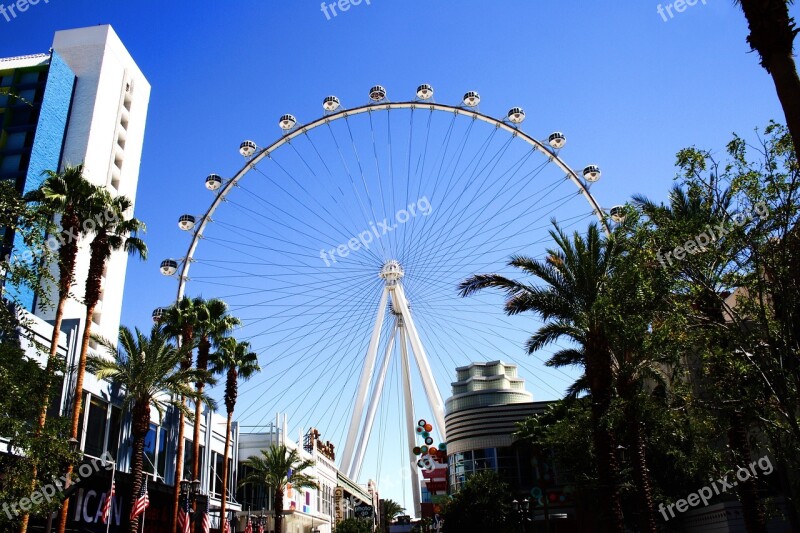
[(249, 527), (206, 520), (184, 515), (107, 503), (260, 527), (142, 502)]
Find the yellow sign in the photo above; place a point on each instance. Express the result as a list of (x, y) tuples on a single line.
[(338, 495)]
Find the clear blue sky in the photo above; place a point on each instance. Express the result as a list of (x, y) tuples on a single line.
[(628, 88)]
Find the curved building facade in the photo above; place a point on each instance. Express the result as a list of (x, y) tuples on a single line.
[(487, 402)]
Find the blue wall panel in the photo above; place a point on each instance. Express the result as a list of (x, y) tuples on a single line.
[(48, 144)]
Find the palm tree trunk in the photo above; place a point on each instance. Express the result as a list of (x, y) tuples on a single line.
[(186, 339), (198, 413), (611, 518), (141, 425), (77, 404), (202, 364), (644, 489), (772, 35), (224, 504), (94, 282), (278, 511), (67, 254), (598, 370), (176, 493), (748, 490), (787, 85)]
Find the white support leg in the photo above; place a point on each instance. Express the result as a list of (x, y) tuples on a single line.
[(363, 385), (431, 390), (411, 423), (377, 391)]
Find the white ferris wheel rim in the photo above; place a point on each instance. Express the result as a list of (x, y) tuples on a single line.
[(514, 130)]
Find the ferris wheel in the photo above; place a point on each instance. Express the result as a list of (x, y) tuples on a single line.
[(341, 244)]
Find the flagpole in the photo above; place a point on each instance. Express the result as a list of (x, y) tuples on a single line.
[(110, 496), (114, 471)]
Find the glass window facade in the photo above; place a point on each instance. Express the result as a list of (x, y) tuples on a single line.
[(511, 463), (253, 496), (102, 427)]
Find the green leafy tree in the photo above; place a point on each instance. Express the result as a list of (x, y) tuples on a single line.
[(354, 525), (21, 379), (563, 433), (276, 468), (704, 281), (147, 369), (738, 291), (574, 275), (25, 225), (112, 231), (237, 362), (41, 453), (481, 505)]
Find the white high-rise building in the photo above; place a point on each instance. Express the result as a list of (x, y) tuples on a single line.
[(105, 132)]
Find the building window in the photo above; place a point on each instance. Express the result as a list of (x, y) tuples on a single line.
[(96, 427), (484, 459), (150, 450), (162, 452), (217, 462), (188, 459), (114, 426)]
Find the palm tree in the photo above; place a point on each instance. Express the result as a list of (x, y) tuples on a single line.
[(237, 362), (112, 232), (65, 193), (575, 277), (213, 324), (632, 373), (148, 369), (772, 34), (389, 510), (277, 467), (179, 323)]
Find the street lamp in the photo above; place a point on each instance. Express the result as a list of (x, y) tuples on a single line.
[(190, 490)]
